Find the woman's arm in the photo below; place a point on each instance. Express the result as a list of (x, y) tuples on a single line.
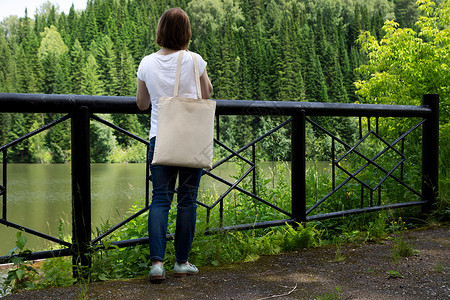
[(205, 85), (142, 95)]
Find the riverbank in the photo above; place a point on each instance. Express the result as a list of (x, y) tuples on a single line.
[(367, 271)]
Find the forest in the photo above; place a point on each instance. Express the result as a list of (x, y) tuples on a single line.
[(279, 50)]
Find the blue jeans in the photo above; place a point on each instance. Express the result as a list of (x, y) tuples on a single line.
[(163, 179)]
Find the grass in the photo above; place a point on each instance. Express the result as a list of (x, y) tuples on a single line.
[(331, 295), (439, 267), (339, 256), (394, 274), (402, 249)]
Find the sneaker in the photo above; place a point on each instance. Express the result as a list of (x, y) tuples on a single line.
[(157, 274), (182, 270)]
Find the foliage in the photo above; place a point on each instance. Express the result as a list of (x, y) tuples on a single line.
[(23, 273), (406, 64), (250, 245), (55, 272)]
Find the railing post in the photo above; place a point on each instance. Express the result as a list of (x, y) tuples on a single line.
[(81, 192), (3, 189), (430, 152), (298, 172)]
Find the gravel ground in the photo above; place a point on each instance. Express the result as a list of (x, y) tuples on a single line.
[(363, 272)]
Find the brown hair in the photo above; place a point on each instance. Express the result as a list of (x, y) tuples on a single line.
[(174, 29)]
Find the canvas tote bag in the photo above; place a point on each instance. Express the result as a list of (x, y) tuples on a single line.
[(185, 131)]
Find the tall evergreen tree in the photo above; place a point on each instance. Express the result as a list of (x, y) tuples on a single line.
[(76, 68), (72, 28), (51, 49), (315, 87), (127, 75), (6, 67), (333, 76), (406, 13), (106, 58), (62, 83), (91, 83)]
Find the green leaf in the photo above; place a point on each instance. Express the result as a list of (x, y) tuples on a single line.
[(21, 240), (20, 273), (102, 277)]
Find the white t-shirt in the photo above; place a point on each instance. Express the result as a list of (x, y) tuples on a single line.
[(158, 72)]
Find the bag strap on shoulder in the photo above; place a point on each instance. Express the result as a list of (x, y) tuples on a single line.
[(196, 75)]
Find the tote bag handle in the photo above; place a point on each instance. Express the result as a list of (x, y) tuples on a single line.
[(196, 75)]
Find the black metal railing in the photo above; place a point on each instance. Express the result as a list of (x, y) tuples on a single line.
[(81, 109)]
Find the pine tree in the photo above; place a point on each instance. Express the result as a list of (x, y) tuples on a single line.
[(6, 67), (315, 87), (89, 30), (57, 141), (333, 77), (62, 83), (72, 28), (127, 75), (76, 67), (21, 124), (106, 58), (5, 125), (290, 80), (101, 139), (51, 49), (90, 82), (28, 64), (344, 62), (406, 13)]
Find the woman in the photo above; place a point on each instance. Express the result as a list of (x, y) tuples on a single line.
[(156, 78)]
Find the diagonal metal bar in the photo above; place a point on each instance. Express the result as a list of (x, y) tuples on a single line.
[(353, 175), (388, 174), (118, 225), (252, 142), (369, 161), (329, 133), (232, 187), (408, 132), (119, 129), (249, 194), (34, 132), (34, 232), (389, 147), (234, 153), (362, 183), (327, 195)]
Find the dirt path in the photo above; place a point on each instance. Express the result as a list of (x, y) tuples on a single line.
[(365, 272)]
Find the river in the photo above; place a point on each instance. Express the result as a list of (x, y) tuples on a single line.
[(39, 197)]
